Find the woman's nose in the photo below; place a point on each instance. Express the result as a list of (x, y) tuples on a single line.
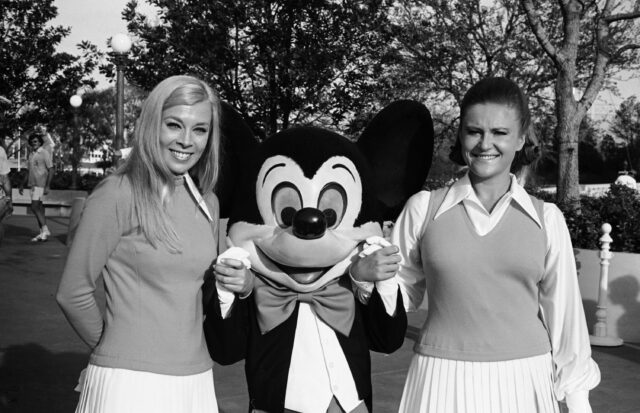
[(185, 138), (486, 141)]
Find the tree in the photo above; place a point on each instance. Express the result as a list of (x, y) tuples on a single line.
[(604, 32), (442, 48), (91, 125), (626, 128), (279, 62), (591, 162), (613, 154), (35, 80), (445, 47)]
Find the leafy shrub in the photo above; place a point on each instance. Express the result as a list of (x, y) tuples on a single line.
[(433, 184), (17, 177), (89, 181), (61, 180), (86, 182), (620, 207), (584, 225)]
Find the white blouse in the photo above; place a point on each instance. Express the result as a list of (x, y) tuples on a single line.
[(560, 303)]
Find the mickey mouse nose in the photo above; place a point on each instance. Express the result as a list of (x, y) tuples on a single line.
[(309, 223)]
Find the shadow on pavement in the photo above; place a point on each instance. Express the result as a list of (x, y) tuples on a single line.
[(32, 379), (628, 351)]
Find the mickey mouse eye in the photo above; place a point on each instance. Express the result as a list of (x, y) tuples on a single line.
[(285, 201), (333, 204), (286, 216)]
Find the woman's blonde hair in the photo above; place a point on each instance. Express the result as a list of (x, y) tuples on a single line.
[(146, 168)]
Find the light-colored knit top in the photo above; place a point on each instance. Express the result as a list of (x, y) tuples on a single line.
[(482, 290), (153, 316)]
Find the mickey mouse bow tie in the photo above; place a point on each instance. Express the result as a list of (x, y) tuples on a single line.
[(334, 304)]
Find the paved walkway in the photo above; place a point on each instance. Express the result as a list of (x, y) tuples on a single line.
[(40, 355)]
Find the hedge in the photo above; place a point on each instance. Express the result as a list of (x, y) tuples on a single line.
[(620, 207), (60, 180)]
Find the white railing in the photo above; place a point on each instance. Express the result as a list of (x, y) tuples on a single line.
[(595, 190), (600, 336)]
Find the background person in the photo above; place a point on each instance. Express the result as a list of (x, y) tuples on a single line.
[(505, 328), (39, 180), (6, 205), (152, 235)]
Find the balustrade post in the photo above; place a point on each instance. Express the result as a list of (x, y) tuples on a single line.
[(599, 336)]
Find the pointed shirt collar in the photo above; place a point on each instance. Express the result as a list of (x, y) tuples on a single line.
[(198, 197), (462, 190), (195, 192)]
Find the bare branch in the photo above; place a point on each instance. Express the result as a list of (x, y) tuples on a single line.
[(623, 49), (539, 31), (621, 16), (602, 59), (593, 87)]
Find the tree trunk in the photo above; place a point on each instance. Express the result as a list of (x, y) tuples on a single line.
[(566, 134), (568, 184)]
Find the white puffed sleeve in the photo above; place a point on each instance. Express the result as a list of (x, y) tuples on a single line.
[(406, 235), (561, 305)]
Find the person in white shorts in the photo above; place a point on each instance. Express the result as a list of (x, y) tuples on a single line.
[(5, 184), (39, 179)]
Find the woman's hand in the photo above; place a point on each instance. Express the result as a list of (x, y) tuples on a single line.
[(233, 275), (379, 265)]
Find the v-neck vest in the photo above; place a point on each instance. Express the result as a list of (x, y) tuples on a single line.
[(482, 290)]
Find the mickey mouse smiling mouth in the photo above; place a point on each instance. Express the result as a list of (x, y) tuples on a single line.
[(308, 236)]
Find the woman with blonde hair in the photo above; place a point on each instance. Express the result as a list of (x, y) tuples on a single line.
[(150, 230)]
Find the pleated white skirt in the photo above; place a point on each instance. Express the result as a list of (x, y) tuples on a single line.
[(436, 385), (110, 390)]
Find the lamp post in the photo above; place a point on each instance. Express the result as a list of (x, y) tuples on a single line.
[(75, 101), (121, 44)]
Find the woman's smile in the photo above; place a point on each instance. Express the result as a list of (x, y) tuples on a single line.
[(181, 156), (486, 157)]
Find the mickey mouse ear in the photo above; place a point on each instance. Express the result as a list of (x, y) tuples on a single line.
[(398, 142), (238, 145)]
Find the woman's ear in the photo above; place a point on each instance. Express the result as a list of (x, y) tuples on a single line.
[(521, 142)]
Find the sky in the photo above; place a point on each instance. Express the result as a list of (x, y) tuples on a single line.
[(92, 20), (98, 20)]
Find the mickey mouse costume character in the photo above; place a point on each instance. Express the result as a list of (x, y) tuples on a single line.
[(309, 202)]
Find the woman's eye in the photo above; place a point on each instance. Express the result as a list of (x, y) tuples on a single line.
[(285, 202), (333, 204), (201, 131), (173, 125)]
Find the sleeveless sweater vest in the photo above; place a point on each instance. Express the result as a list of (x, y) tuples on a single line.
[(482, 290)]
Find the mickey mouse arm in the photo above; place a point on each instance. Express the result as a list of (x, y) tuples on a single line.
[(226, 337), (385, 332)]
